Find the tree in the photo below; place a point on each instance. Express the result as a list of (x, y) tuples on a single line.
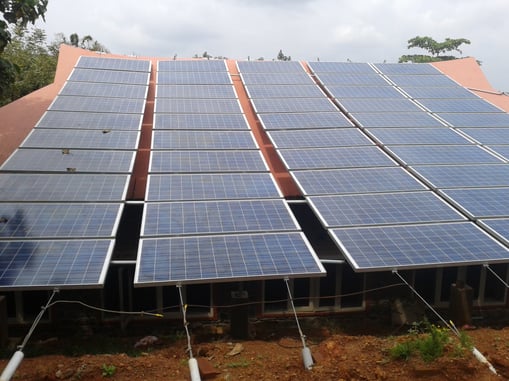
[(434, 48), (282, 57), (86, 42), (19, 12)]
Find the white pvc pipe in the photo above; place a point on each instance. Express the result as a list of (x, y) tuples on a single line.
[(193, 368), (479, 356), (11, 367), (307, 358)]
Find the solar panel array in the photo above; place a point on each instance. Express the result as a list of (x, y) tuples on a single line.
[(213, 212), (62, 191)]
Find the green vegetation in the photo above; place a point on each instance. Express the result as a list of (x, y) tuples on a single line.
[(242, 363), (108, 370), (435, 49)]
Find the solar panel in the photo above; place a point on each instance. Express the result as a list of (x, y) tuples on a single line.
[(109, 76), (192, 65), (439, 92), (422, 80), (359, 180), (341, 67), (193, 78), (443, 154), (54, 263), (39, 220), (216, 217), (98, 104), (348, 79), (218, 186), (82, 139), (304, 120), (333, 137), (198, 106), (220, 258), (282, 105), (284, 91), (480, 202), (112, 90), (297, 78), (69, 187), (89, 120), (206, 161), (51, 160), (501, 150), (342, 157), (407, 119), (406, 68), (196, 91), (364, 92), (465, 176), (414, 246), (200, 121), (487, 135), (379, 105), (188, 139), (498, 227), (458, 105), (389, 136), (269, 66), (382, 209), (88, 62), (496, 119)]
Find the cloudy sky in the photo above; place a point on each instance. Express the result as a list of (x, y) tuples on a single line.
[(331, 30)]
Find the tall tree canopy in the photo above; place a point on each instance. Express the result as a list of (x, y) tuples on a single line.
[(435, 49)]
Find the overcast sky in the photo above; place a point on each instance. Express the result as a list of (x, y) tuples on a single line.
[(331, 30)]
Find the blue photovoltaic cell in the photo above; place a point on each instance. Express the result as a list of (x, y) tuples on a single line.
[(341, 67), (82, 139), (200, 122), (402, 119), (193, 78), (109, 76), (383, 209), (292, 105), (192, 65), (63, 187), (98, 104), (342, 92), (269, 66), (39, 160), (487, 135), (499, 227), (342, 157), (413, 246), (48, 264), (439, 135), (458, 105), (196, 91), (304, 120), (38, 220), (297, 78), (197, 106), (502, 150), (406, 68), (480, 202), (379, 105), (422, 80), (443, 154), (284, 91), (359, 180), (348, 79), (216, 217), (439, 92), (113, 64), (112, 90), (332, 137), (220, 258), (90, 120), (218, 186), (496, 119), (188, 139), (465, 176), (206, 161)]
